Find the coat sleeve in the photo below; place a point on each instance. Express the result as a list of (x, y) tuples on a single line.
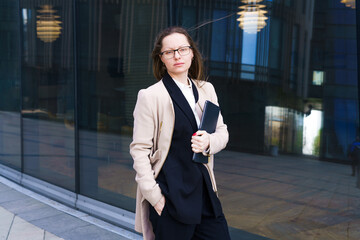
[(220, 137), (141, 147)]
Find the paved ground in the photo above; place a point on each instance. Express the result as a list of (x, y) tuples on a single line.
[(288, 197), (263, 197), (13, 227), (25, 215)]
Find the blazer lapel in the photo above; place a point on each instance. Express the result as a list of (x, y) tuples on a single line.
[(179, 99), (199, 107)]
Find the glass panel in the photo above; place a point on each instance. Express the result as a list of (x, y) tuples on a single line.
[(249, 48), (312, 133), (275, 49), (334, 52), (302, 97), (318, 78), (114, 40), (10, 139), (218, 37), (294, 56), (48, 91)]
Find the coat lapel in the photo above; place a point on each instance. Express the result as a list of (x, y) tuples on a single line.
[(199, 107), (179, 99)]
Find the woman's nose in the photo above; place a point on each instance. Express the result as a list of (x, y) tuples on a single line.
[(176, 54)]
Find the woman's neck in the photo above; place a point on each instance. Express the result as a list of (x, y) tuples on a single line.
[(183, 78)]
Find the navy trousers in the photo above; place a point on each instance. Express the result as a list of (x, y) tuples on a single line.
[(211, 227)]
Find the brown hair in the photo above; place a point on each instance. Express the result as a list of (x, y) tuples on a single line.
[(159, 70)]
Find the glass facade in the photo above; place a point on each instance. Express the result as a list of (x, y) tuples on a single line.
[(114, 40), (334, 52), (67, 94), (10, 85), (47, 77)]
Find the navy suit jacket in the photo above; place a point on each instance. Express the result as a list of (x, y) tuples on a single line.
[(181, 180)]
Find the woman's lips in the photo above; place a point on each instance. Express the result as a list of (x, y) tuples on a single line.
[(178, 64)]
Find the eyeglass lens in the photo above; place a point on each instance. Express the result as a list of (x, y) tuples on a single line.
[(171, 53)]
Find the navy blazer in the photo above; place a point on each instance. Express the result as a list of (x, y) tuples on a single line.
[(181, 180)]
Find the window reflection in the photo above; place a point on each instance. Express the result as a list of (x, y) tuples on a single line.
[(312, 133), (48, 93), (318, 78), (48, 27), (10, 138), (283, 129), (248, 55), (114, 42), (252, 16), (349, 3)]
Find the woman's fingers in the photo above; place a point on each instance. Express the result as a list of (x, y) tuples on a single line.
[(200, 141), (160, 205)]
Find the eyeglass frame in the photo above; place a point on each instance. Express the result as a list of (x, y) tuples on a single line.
[(175, 50)]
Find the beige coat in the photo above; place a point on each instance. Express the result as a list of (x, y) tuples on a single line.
[(154, 120)]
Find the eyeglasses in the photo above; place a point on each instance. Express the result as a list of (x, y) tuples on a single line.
[(171, 53)]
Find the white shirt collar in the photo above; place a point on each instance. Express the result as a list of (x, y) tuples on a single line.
[(183, 86)]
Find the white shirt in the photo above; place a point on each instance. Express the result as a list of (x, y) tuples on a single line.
[(189, 95)]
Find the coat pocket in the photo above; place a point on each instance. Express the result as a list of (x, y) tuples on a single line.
[(155, 156)]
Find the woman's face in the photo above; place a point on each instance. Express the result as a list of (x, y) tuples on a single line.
[(177, 63)]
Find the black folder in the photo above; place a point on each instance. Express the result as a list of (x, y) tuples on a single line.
[(208, 123)]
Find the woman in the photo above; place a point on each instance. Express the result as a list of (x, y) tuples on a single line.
[(354, 155), (176, 197)]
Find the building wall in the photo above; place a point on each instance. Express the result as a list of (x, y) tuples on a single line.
[(10, 122), (334, 54)]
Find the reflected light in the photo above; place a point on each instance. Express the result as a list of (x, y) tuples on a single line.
[(312, 132), (48, 27), (252, 16), (318, 78), (349, 3)]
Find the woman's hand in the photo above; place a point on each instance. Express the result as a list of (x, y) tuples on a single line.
[(160, 205), (200, 141)]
